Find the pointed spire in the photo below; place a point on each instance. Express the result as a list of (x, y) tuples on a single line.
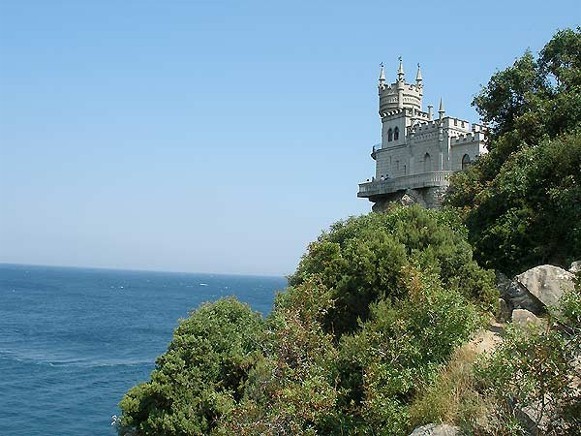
[(381, 74), (419, 76), (400, 73), (441, 110)]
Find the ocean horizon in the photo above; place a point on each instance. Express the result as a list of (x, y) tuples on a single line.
[(74, 340)]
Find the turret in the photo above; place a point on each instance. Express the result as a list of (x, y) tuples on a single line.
[(399, 95)]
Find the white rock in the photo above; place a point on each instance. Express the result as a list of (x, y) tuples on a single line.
[(547, 283), (436, 430)]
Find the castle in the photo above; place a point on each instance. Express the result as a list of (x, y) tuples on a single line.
[(418, 152)]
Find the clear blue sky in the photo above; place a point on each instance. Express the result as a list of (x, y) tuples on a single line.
[(218, 136)]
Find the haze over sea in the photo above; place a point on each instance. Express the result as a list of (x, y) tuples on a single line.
[(72, 341)]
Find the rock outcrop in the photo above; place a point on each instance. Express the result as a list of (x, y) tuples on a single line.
[(535, 289), (436, 430)]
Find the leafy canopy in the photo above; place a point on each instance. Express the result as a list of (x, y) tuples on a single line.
[(360, 260), (522, 201)]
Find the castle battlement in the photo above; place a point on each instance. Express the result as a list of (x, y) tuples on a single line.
[(418, 149), (468, 137), (426, 126)]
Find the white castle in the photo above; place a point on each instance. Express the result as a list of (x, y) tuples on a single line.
[(417, 153)]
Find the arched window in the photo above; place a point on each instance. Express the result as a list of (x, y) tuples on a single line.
[(389, 135), (396, 134), (465, 161), (427, 163)]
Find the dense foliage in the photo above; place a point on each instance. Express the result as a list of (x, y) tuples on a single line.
[(201, 375), (522, 201), (361, 260), (375, 308)]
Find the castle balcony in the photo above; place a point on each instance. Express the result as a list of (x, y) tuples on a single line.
[(377, 188)]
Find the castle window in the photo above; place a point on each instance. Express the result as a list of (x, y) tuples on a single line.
[(427, 163), (396, 134), (389, 135), (465, 161)]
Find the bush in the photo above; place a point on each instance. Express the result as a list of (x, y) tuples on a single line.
[(361, 261), (201, 376), (535, 369), (375, 308), (400, 348), (292, 390)]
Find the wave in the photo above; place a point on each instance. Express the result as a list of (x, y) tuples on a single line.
[(72, 362)]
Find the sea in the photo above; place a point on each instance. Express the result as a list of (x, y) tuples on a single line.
[(73, 341)]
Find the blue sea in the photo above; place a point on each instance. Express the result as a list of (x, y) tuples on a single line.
[(73, 341)]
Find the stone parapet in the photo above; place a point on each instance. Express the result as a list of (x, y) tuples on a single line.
[(413, 181)]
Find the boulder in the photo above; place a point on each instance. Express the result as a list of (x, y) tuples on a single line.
[(523, 317), (575, 267), (436, 430), (546, 283), (517, 297)]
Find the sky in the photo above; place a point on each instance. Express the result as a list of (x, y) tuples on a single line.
[(218, 136)]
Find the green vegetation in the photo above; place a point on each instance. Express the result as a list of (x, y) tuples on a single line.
[(377, 305), (200, 376), (370, 336), (533, 370), (522, 201)]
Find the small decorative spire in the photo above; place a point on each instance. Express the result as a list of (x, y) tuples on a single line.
[(419, 76), (381, 74), (400, 73), (441, 110)]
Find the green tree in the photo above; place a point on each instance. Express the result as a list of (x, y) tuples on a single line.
[(200, 377), (344, 347), (399, 349), (293, 388), (521, 200), (360, 260)]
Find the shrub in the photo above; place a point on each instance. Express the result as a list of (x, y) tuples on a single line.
[(200, 377), (535, 370), (360, 260)]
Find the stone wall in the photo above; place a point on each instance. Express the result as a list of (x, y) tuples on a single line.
[(430, 198)]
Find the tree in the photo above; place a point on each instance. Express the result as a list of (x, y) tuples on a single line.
[(200, 377), (360, 260), (521, 200), (376, 305), (398, 350), (293, 388)]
